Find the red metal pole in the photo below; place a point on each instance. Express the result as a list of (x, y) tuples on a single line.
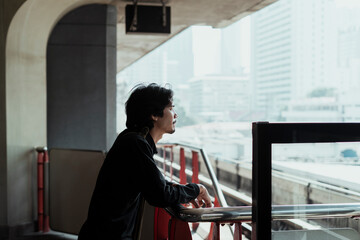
[(195, 177), (164, 156), (216, 235), (40, 178), (43, 218), (216, 203), (46, 216), (182, 166), (211, 233), (213, 227), (195, 167), (156, 213), (171, 162), (214, 232), (238, 231)]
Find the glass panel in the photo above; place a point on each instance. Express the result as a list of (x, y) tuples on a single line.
[(315, 173)]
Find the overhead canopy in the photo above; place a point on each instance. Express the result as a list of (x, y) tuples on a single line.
[(184, 13)]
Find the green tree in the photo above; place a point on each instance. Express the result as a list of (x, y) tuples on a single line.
[(322, 92)]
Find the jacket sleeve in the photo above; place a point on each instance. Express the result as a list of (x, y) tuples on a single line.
[(153, 186)]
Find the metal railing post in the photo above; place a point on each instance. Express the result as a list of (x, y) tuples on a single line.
[(43, 190), (218, 192), (46, 192), (195, 167), (182, 167), (214, 232), (40, 187), (164, 156), (195, 177), (171, 162), (238, 231), (261, 182)]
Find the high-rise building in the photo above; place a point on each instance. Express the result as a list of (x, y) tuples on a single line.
[(291, 56), (349, 72), (349, 59), (171, 63), (234, 46), (219, 98), (231, 44)]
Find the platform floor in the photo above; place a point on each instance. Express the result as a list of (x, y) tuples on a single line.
[(48, 236)]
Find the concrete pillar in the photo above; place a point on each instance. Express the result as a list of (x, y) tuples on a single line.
[(8, 8), (81, 79), (25, 27)]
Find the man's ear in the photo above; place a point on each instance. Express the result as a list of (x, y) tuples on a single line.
[(154, 118)]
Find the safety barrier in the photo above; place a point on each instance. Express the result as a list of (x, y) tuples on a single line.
[(42, 186), (222, 214), (67, 190), (266, 134), (242, 215), (219, 201), (195, 151)]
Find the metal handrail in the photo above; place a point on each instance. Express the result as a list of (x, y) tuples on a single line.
[(218, 193), (279, 212), (243, 214)]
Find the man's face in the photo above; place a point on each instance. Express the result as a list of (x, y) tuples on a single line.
[(166, 123)]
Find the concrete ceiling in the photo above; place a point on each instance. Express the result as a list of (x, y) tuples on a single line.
[(184, 13)]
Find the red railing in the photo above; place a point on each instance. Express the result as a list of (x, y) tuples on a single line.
[(176, 226), (240, 216), (43, 217), (164, 224), (171, 160), (179, 221)]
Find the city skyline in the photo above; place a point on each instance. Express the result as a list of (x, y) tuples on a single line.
[(285, 61)]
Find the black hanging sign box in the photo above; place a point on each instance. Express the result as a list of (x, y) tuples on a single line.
[(149, 19)]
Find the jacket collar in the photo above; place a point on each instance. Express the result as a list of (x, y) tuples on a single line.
[(151, 142)]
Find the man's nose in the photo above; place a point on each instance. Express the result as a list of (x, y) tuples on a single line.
[(175, 115)]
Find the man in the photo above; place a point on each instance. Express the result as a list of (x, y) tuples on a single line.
[(129, 171)]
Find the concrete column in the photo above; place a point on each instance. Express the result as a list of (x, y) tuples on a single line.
[(24, 31), (81, 79), (8, 9), (3, 163)]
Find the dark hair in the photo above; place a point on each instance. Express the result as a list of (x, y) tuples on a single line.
[(146, 101)]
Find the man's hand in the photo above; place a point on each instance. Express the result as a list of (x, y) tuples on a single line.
[(202, 198)]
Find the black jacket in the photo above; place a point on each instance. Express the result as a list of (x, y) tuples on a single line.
[(129, 172)]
